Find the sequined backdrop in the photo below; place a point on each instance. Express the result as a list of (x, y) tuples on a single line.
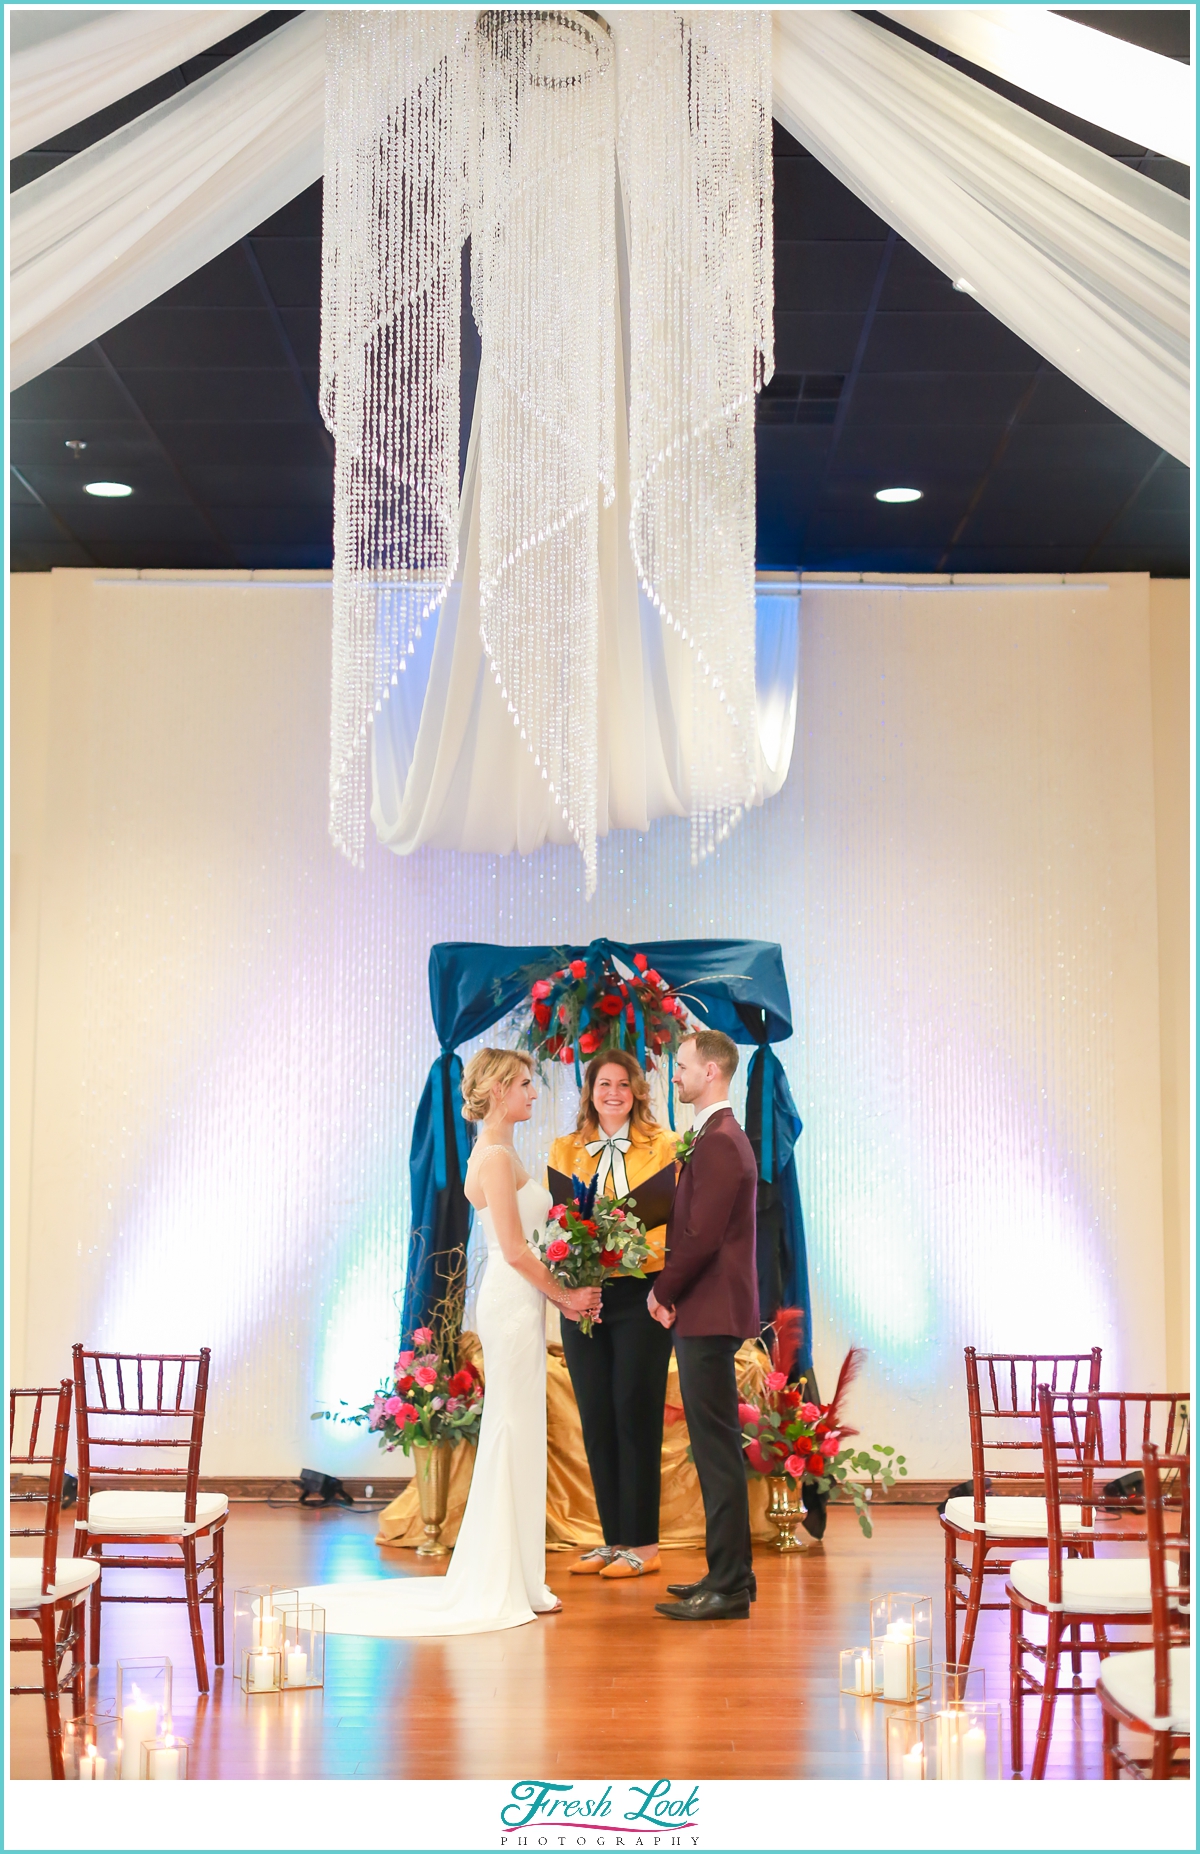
[(233, 1024)]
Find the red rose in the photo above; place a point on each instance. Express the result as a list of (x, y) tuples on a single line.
[(640, 961), (541, 989), (652, 978), (610, 1005), (789, 1400), (629, 1016), (405, 1383), (610, 1257), (559, 1250), (567, 1053), (460, 1384), (578, 969), (590, 1042), (541, 1014)]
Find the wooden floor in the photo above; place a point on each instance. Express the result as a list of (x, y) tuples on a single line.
[(605, 1689)]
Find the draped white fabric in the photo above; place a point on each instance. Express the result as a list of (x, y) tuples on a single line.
[(108, 231), (1149, 99), (450, 771), (67, 64), (1086, 260)]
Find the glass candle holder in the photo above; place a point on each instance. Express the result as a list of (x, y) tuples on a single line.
[(963, 1744), (91, 1753), (143, 1709), (856, 1672), (954, 1683), (165, 1759), (902, 1646), (906, 1745), (303, 1645), (257, 1626)]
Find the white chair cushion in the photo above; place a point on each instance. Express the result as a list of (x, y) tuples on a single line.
[(1013, 1516), (1105, 1586), (136, 1513), (25, 1580), (1129, 1678)]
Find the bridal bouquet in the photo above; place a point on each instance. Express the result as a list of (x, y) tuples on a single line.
[(425, 1400), (785, 1435), (592, 1241)]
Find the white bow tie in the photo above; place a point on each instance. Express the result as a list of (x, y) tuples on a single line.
[(611, 1156)]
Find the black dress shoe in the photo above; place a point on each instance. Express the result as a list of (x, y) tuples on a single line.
[(708, 1606), (691, 1590)]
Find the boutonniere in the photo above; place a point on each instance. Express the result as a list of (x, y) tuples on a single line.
[(685, 1145)]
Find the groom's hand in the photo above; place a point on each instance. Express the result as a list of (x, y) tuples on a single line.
[(664, 1315)]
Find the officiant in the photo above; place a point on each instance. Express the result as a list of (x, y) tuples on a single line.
[(619, 1369)]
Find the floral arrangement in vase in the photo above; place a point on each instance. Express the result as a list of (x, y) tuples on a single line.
[(589, 1005), (592, 1241), (786, 1436)]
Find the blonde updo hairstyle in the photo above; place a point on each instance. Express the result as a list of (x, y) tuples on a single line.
[(491, 1072)]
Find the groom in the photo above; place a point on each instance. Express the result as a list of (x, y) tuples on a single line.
[(708, 1291)]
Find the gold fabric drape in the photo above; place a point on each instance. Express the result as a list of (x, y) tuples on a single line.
[(571, 1518)]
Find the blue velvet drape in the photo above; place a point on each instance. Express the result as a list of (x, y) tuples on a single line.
[(733, 985)]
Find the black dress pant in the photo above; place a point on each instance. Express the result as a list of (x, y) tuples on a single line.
[(619, 1373), (710, 1402)]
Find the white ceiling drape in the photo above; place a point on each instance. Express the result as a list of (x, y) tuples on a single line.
[(1149, 99), (67, 64), (110, 230), (1086, 260)]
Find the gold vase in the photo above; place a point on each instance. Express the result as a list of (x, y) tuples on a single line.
[(431, 1471), (784, 1514)]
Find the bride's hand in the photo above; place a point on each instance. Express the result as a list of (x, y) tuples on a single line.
[(578, 1301)]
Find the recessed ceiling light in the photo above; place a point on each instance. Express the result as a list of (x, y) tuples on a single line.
[(108, 489), (897, 495)]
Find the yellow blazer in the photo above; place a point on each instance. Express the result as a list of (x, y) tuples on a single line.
[(647, 1155)]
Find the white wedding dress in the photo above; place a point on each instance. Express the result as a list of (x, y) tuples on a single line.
[(497, 1574)]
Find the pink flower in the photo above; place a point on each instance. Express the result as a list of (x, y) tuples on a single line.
[(541, 989), (558, 1214), (618, 1216), (810, 1412), (378, 1412), (426, 1376), (558, 1250), (394, 1405), (435, 1403), (830, 1446), (422, 1336), (795, 1466), (776, 1380), (403, 1362), (748, 1413), (453, 1405)]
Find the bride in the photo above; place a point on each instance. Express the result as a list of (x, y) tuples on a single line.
[(497, 1575)]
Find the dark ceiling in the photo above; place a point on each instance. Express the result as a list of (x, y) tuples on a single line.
[(206, 402)]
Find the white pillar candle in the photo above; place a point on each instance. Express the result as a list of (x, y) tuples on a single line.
[(297, 1667), (92, 1766), (948, 1747), (162, 1763), (138, 1722), (897, 1650), (914, 1765), (974, 1755), (260, 1672)]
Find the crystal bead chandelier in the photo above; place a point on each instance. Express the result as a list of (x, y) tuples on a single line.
[(532, 132)]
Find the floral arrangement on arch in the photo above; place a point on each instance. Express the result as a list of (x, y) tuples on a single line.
[(786, 1435), (588, 1006)]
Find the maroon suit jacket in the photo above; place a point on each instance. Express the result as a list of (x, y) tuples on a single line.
[(710, 1277)]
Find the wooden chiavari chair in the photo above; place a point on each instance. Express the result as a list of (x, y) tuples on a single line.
[(1151, 1689), (133, 1392), (41, 1590), (1005, 1426), (1088, 1438)]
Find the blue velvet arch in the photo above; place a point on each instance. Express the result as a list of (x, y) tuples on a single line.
[(733, 985)]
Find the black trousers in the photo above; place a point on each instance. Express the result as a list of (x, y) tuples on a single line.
[(710, 1402), (619, 1373)]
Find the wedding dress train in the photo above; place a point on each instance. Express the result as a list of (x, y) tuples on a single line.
[(497, 1575)]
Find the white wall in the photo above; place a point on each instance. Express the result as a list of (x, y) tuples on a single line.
[(220, 1030)]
